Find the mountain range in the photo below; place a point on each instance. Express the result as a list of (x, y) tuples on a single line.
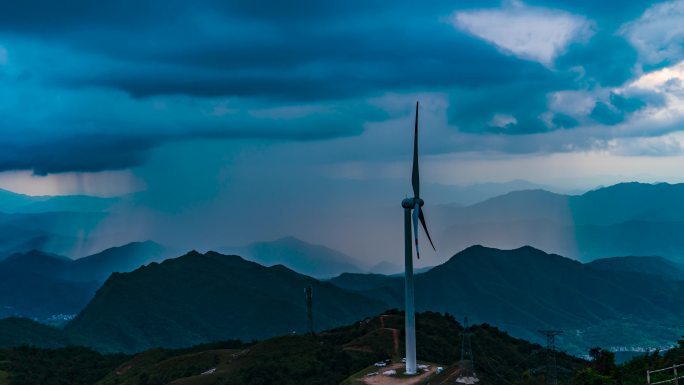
[(620, 220), (659, 267), (11, 202), (56, 224), (625, 219), (63, 232), (626, 300), (38, 285), (200, 298), (525, 289)]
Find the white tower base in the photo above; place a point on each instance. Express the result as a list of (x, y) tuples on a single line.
[(409, 307)]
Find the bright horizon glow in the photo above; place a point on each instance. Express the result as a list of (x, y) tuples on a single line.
[(101, 184)]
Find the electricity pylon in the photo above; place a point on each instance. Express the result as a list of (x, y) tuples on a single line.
[(551, 366)]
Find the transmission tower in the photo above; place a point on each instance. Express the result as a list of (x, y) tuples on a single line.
[(551, 367), (467, 368), (309, 308)]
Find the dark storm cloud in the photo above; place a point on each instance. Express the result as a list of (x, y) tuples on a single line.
[(258, 55), (627, 104), (618, 107), (473, 110), (89, 148), (564, 121), (603, 113), (344, 75), (607, 60), (302, 60), (76, 153)]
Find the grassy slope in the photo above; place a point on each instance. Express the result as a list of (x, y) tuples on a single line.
[(333, 356)]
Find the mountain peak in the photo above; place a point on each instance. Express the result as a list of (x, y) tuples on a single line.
[(635, 188), (479, 249), (137, 244), (522, 255), (473, 248), (36, 254), (530, 249), (194, 253), (37, 262), (206, 297), (123, 258), (294, 242), (291, 239), (224, 257), (531, 192), (282, 268), (303, 257)]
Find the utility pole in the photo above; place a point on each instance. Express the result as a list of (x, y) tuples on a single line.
[(551, 367), (309, 308)]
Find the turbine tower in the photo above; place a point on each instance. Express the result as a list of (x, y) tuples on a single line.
[(412, 205)]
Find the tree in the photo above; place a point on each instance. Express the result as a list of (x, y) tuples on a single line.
[(602, 361), (589, 376)]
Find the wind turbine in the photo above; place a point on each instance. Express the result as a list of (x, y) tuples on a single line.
[(412, 204)]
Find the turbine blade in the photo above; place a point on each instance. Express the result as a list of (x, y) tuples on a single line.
[(422, 222), (416, 215), (415, 177)]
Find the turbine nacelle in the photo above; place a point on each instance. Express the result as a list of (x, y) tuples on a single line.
[(411, 203)]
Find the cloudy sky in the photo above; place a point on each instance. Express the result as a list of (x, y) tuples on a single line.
[(231, 121)]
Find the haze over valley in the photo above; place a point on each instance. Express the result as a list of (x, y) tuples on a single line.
[(615, 289)]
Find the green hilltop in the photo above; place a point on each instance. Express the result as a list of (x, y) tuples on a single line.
[(200, 298), (329, 357)]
